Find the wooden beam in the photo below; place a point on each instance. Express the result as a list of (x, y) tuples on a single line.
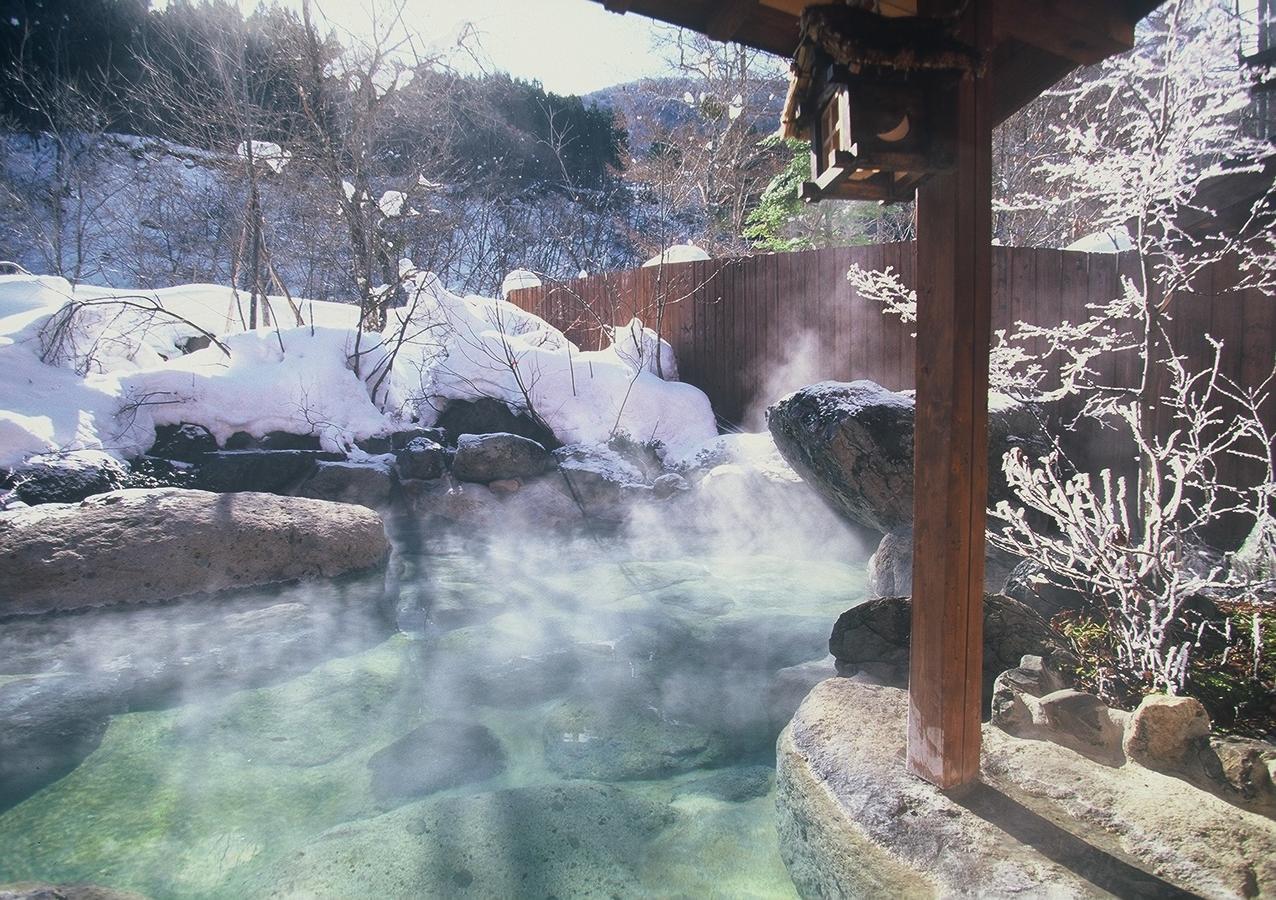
[(954, 278), (727, 18), (1082, 31)]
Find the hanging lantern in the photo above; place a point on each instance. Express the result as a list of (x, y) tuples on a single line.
[(876, 121)]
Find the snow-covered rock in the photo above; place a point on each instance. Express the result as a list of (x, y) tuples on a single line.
[(687, 252), (1111, 240), (391, 203), (519, 279), (265, 152)]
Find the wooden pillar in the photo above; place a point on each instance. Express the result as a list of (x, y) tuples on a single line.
[(954, 280)]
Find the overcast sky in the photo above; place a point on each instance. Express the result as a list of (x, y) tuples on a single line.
[(570, 46)]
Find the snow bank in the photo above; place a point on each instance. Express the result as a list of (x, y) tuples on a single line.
[(639, 348), (99, 369), (476, 347), (687, 252)]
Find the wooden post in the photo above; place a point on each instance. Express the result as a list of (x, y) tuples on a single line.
[(954, 280)]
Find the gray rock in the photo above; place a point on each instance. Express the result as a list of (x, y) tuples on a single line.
[(484, 458), (669, 484), (890, 568), (601, 480), (488, 416), (1247, 767), (874, 636), (65, 478), (569, 840), (1081, 722), (268, 471), (438, 754), (401, 439), (376, 445), (137, 546), (185, 442), (625, 738), (442, 499), (1168, 734), (733, 785), (369, 484), (1031, 678), (853, 822), (854, 443), (791, 684)]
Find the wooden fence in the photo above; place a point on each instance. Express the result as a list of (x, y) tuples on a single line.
[(748, 330)]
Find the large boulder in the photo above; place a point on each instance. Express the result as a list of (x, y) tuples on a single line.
[(890, 568), (874, 637), (484, 458), (488, 416), (65, 477), (421, 458), (854, 443), (549, 840), (137, 546), (1041, 820), (601, 480)]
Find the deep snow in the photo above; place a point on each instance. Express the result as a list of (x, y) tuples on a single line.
[(97, 368)]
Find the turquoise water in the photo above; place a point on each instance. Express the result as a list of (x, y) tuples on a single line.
[(582, 719)]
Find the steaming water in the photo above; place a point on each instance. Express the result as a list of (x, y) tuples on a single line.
[(632, 692)]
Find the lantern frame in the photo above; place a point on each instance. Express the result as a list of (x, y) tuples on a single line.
[(854, 121)]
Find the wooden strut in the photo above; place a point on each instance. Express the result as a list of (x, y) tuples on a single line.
[(954, 265)]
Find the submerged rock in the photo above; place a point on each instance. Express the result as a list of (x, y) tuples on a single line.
[(137, 546), (566, 840), (854, 443), (732, 785), (439, 754), (623, 738), (48, 724), (34, 890), (485, 458)]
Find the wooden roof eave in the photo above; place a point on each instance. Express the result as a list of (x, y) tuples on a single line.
[(1021, 71)]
